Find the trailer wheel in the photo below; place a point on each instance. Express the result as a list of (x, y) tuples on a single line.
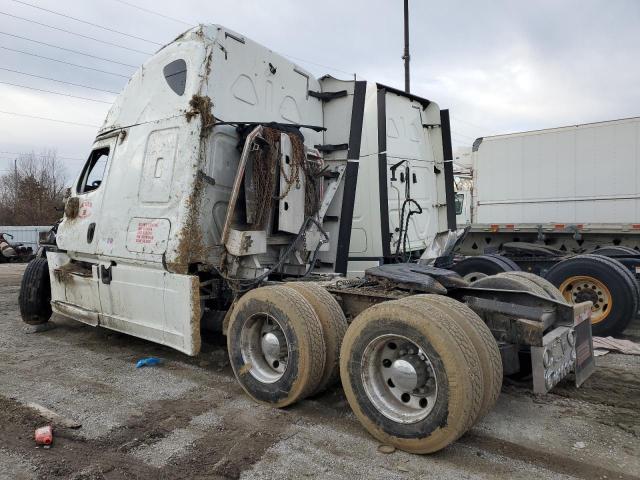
[(334, 326), (503, 282), (275, 345), (482, 339), (605, 282), (410, 378), (615, 250), (475, 268), (35, 293), (549, 288)]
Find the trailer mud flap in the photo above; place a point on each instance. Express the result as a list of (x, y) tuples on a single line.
[(564, 349)]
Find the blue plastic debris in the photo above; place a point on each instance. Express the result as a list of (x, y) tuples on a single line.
[(147, 362)]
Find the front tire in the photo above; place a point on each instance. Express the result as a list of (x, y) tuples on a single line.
[(35, 293)]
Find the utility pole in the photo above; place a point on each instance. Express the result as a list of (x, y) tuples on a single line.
[(406, 57), (15, 187)]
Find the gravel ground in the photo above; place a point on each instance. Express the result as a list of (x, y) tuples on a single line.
[(188, 418)]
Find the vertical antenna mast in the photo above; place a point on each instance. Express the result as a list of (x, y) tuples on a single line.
[(405, 57)]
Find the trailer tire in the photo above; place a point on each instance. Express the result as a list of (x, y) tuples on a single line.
[(509, 264), (614, 250), (482, 339), (263, 322), (450, 358), (603, 280), (35, 293), (474, 268), (334, 326), (549, 288)]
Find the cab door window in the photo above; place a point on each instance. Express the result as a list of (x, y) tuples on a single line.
[(93, 171)]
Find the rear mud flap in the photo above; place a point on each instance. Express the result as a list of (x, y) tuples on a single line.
[(564, 349)]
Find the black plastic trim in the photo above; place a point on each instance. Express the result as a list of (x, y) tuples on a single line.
[(328, 148), (367, 259), (350, 178), (447, 152), (327, 96), (385, 235), (422, 101)]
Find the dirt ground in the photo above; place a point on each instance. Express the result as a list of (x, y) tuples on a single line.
[(187, 418)]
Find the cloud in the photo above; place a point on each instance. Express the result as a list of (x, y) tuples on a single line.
[(498, 66)]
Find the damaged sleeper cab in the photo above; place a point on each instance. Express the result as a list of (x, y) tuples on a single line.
[(224, 192)]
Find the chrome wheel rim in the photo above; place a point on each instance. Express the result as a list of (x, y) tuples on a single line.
[(399, 379), (264, 348)]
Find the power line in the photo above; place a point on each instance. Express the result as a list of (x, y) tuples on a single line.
[(59, 81), (88, 23), (457, 119), (75, 33), (49, 119), (153, 12), (317, 64), (462, 135), (67, 49), (62, 61), (44, 155), (55, 93)]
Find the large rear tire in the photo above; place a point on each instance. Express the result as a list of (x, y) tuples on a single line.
[(276, 347), (605, 282), (482, 339), (474, 268), (35, 293), (334, 326), (410, 377)]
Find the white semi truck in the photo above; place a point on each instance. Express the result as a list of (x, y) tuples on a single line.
[(230, 189), (539, 198)]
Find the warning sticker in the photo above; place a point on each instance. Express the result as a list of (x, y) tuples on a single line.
[(146, 232), (85, 209), (148, 235)]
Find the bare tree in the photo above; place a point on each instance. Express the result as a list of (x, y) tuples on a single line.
[(32, 192)]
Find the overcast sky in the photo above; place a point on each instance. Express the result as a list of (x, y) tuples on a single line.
[(499, 65)]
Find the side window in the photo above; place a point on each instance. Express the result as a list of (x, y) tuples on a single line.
[(459, 203), (175, 73), (93, 171)]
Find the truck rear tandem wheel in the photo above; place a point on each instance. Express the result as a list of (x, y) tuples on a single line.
[(276, 345), (481, 337), (334, 326), (410, 375)]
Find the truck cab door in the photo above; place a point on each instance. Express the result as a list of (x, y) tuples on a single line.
[(76, 273), (77, 232)]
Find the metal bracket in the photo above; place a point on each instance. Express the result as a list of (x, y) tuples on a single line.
[(327, 96), (328, 148)]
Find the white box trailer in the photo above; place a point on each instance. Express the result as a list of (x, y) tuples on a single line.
[(229, 188), (581, 178), (539, 197)]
